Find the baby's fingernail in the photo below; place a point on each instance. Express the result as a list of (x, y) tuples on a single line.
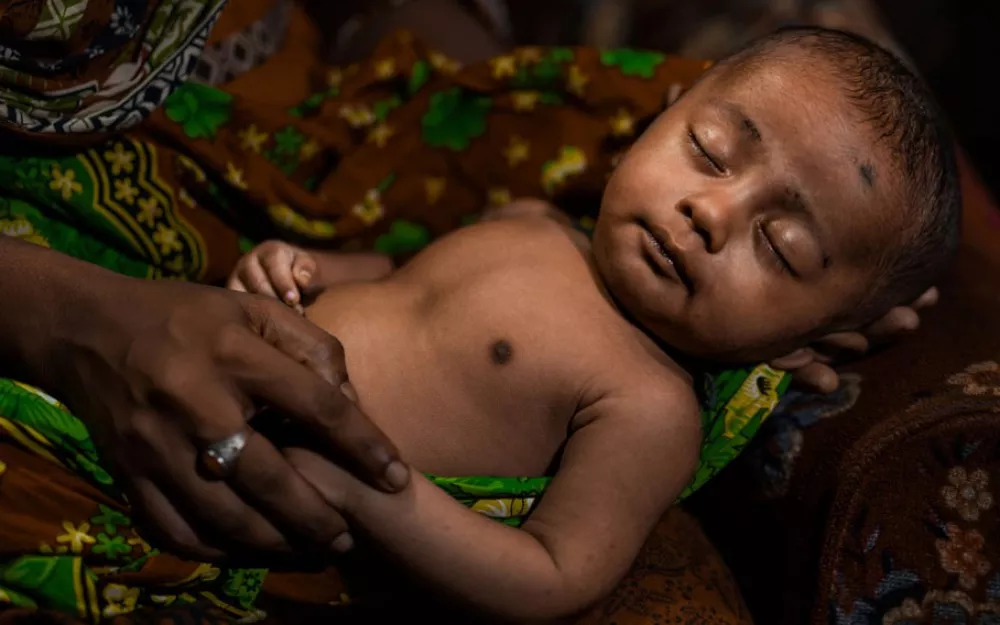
[(291, 297), (342, 543), (304, 275), (397, 475)]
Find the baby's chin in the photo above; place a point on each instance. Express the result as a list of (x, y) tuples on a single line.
[(715, 346)]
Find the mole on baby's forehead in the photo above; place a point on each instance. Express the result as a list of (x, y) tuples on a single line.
[(867, 171)]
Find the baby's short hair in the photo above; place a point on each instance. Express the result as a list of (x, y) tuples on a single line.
[(899, 107)]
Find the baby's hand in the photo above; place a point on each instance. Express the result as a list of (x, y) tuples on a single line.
[(275, 269)]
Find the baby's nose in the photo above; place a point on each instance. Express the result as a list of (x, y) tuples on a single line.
[(707, 219)]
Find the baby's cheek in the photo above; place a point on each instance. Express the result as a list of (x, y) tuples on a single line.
[(740, 316)]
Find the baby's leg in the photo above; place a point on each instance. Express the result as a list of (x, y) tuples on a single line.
[(445, 25)]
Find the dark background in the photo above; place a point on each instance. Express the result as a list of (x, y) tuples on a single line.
[(954, 43), (957, 47)]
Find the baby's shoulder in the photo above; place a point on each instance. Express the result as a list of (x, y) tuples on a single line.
[(521, 232), (639, 388), (507, 242)]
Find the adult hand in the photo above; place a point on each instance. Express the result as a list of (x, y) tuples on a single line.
[(159, 370), (812, 367)]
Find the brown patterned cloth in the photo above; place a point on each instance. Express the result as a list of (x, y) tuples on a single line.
[(891, 515), (339, 169), (328, 156)]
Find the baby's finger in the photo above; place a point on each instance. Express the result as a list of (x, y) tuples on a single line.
[(254, 276), (278, 264), (303, 269), (235, 284)]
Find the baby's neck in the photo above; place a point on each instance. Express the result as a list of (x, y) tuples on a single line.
[(688, 363)]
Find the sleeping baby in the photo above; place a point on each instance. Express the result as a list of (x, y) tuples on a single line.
[(803, 186)]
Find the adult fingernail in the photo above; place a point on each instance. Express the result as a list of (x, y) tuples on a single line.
[(291, 296), (342, 543), (348, 390), (397, 475)]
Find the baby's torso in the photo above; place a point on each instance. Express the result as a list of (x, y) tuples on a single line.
[(475, 357)]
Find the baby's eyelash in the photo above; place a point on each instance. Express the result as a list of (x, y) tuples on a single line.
[(779, 260), (702, 153)]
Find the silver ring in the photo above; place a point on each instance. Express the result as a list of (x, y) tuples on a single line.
[(219, 458)]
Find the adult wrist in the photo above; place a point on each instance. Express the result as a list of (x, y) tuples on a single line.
[(50, 300)]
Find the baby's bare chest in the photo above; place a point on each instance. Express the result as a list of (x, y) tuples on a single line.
[(477, 376)]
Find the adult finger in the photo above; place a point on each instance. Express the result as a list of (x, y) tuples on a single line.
[(265, 479), (929, 298), (853, 342), (817, 378), (273, 377), (222, 518), (277, 263), (163, 526), (897, 321), (298, 338), (795, 360), (213, 411), (329, 480)]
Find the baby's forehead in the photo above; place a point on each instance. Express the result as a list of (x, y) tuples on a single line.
[(802, 74), (808, 58), (792, 76)]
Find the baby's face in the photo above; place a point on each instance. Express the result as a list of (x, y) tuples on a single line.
[(750, 215)]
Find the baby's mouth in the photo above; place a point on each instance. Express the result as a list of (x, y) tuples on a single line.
[(662, 259)]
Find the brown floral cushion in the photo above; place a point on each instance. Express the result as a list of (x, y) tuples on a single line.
[(916, 537), (679, 578)]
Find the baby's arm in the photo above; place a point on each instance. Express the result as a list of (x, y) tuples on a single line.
[(620, 471), (284, 271)]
